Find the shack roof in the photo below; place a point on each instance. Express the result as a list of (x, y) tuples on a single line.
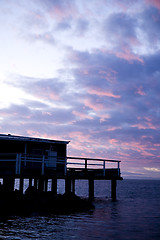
[(30, 139)]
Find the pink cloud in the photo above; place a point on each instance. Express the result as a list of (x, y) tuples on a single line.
[(125, 54), (144, 126), (128, 55), (134, 41), (102, 93), (140, 91), (79, 136), (82, 115), (113, 128), (93, 105), (61, 11), (157, 144), (148, 154), (33, 133), (155, 3), (123, 154), (147, 123), (113, 141), (103, 117), (46, 93), (110, 75)]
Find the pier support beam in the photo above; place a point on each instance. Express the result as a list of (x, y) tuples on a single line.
[(30, 182), (21, 182), (67, 186), (46, 185), (41, 185), (113, 189), (8, 183), (91, 189), (54, 185), (35, 183), (73, 186)]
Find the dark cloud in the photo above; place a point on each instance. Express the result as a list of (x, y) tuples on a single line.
[(82, 27), (63, 26), (150, 27), (45, 89), (120, 29)]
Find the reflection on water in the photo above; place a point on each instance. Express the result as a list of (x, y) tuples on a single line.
[(134, 216)]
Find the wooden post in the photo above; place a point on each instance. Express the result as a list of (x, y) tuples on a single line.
[(35, 183), (113, 189), (73, 185), (91, 188), (41, 184), (21, 185), (104, 171), (8, 183), (118, 170), (43, 160), (67, 186), (85, 164), (46, 184), (19, 165), (65, 167), (54, 185), (30, 182)]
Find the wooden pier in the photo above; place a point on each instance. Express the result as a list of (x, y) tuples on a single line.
[(41, 160), (75, 169)]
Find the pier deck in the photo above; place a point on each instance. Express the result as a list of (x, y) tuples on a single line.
[(25, 166)]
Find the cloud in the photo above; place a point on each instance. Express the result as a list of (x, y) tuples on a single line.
[(60, 9), (154, 3), (152, 169), (44, 89), (82, 26), (102, 93), (63, 26)]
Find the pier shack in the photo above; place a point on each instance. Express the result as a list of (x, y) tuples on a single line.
[(40, 160)]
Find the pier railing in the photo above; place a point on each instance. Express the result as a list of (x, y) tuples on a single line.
[(79, 163), (17, 163)]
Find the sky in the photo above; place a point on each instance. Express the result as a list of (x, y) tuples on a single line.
[(84, 71)]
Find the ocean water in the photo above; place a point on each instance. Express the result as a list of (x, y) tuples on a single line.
[(135, 215)]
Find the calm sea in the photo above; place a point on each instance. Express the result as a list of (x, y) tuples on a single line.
[(135, 215)]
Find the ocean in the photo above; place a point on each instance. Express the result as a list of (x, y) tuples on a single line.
[(134, 216)]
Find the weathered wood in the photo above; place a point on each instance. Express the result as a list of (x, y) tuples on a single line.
[(41, 184), (8, 183), (35, 182), (67, 185), (54, 185), (73, 186), (21, 185), (30, 182), (46, 185)]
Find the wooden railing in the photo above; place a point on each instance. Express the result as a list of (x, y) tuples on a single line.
[(80, 163), (68, 163)]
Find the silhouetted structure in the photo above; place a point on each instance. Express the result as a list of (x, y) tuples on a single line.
[(43, 159)]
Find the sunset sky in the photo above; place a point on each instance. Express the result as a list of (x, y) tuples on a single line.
[(84, 71)]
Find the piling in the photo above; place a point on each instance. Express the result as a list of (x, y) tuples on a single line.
[(54, 185), (8, 183), (41, 184), (73, 185), (21, 184), (67, 185)]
